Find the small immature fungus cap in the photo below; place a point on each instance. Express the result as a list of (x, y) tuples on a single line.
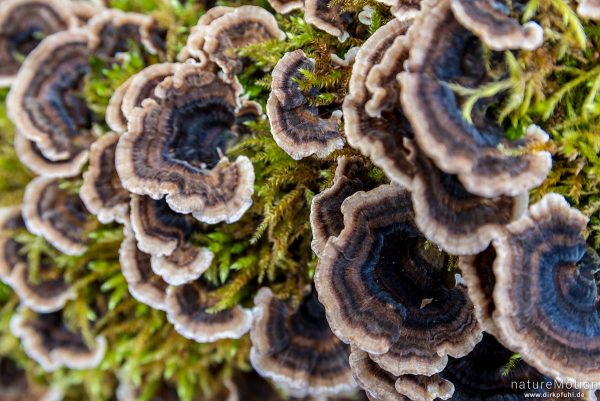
[(326, 219), (187, 307), (456, 146), (10, 249), (295, 124), (45, 102), (327, 16), (286, 6), (489, 20), (48, 341), (546, 294), (424, 388), (185, 264), (102, 192), (383, 290), (379, 384), (176, 143), (56, 215), (243, 26), (403, 9), (589, 9), (296, 348), (32, 157), (457, 221), (23, 24), (144, 285)]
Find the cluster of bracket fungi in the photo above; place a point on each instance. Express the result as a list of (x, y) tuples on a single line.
[(384, 315)]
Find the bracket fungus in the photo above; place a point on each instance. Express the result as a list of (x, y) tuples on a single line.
[(101, 191), (589, 9), (187, 310), (546, 295), (457, 221), (286, 6), (10, 249), (373, 279), (457, 147), (296, 348), (56, 215), (45, 102), (143, 284), (194, 47), (297, 126), (241, 27), (23, 24), (327, 16), (403, 9), (47, 340), (175, 146), (490, 21)]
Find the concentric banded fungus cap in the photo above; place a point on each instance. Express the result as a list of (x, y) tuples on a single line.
[(115, 119), (424, 388), (244, 26), (194, 47), (45, 103), (546, 293), (286, 6), (440, 129), (326, 219), (50, 343), (187, 310), (22, 25), (102, 192), (383, 290), (379, 384), (56, 215), (457, 221), (185, 264), (327, 16), (296, 348), (383, 139), (489, 20), (589, 9), (143, 284), (10, 249), (175, 147), (295, 124), (31, 156)]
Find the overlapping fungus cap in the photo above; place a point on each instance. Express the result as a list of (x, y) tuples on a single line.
[(379, 384), (589, 9), (457, 221), (327, 16), (383, 290), (383, 139), (14, 385), (187, 310), (23, 24), (10, 250), (424, 388), (296, 348), (30, 155), (165, 235), (326, 219), (490, 20), (486, 162), (144, 285), (194, 47), (85, 10), (45, 103), (47, 340), (243, 26), (546, 294), (55, 214), (175, 147), (296, 125), (403, 9), (102, 192)]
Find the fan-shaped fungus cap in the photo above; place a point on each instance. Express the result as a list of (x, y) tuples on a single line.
[(85, 10), (440, 129), (489, 20), (286, 6), (296, 348), (373, 280), (326, 219), (244, 26), (403, 9), (327, 16), (10, 249), (194, 47), (45, 102), (48, 341), (175, 147), (546, 294), (185, 264), (32, 157), (115, 118), (457, 221), (589, 9), (102, 192), (23, 23), (187, 307), (424, 388), (296, 126), (143, 284), (379, 384), (383, 139), (56, 215)]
